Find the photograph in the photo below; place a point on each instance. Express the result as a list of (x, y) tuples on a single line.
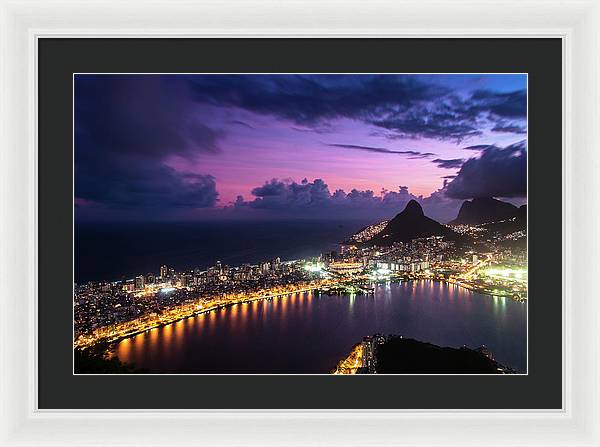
[(300, 223)]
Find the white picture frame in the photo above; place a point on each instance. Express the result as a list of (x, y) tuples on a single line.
[(577, 23)]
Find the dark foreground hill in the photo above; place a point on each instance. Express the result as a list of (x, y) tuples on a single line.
[(97, 361), (407, 356), (411, 224)]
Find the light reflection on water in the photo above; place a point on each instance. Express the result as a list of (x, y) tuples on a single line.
[(309, 333)]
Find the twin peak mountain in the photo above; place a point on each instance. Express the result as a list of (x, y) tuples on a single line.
[(412, 222)]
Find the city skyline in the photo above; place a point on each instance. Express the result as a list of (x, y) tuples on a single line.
[(197, 147), (488, 259)]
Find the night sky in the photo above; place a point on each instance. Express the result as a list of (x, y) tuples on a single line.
[(199, 147)]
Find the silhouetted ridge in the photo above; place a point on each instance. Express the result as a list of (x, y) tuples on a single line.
[(407, 356), (410, 224), (484, 210)]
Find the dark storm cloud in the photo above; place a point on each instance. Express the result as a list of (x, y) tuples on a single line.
[(509, 128), (381, 150), (147, 115), (403, 106), (314, 199), (477, 147), (446, 118), (308, 100), (504, 105), (498, 172), (452, 118), (126, 126), (287, 198), (136, 183), (270, 189), (287, 194), (452, 163)]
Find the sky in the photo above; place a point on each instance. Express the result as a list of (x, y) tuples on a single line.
[(199, 147)]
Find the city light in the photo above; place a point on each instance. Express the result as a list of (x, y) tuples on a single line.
[(315, 268), (110, 311), (167, 289), (506, 272)]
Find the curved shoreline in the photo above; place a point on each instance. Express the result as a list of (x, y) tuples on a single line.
[(112, 342)]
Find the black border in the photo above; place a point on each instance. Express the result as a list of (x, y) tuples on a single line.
[(59, 58)]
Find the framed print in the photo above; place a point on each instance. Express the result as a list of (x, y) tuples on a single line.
[(309, 275), (274, 230), (277, 263)]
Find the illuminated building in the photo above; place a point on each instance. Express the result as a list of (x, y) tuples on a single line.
[(139, 282), (369, 232), (265, 267), (129, 286), (346, 268), (186, 280), (164, 271)]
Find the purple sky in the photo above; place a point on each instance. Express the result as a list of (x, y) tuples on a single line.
[(151, 147)]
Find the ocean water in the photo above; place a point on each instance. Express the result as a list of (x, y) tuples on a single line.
[(308, 333), (111, 251)]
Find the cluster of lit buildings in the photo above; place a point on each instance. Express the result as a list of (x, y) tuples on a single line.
[(218, 274), (369, 232), (469, 230), (402, 257), (108, 310), (514, 236), (491, 264)]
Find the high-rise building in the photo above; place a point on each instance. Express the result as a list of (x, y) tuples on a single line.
[(129, 286), (164, 271), (264, 268), (275, 263), (139, 282), (186, 280)]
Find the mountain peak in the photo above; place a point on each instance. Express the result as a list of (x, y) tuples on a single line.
[(413, 208), (411, 224), (484, 209)]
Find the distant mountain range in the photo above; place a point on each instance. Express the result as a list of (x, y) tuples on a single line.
[(411, 224), (486, 209)]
